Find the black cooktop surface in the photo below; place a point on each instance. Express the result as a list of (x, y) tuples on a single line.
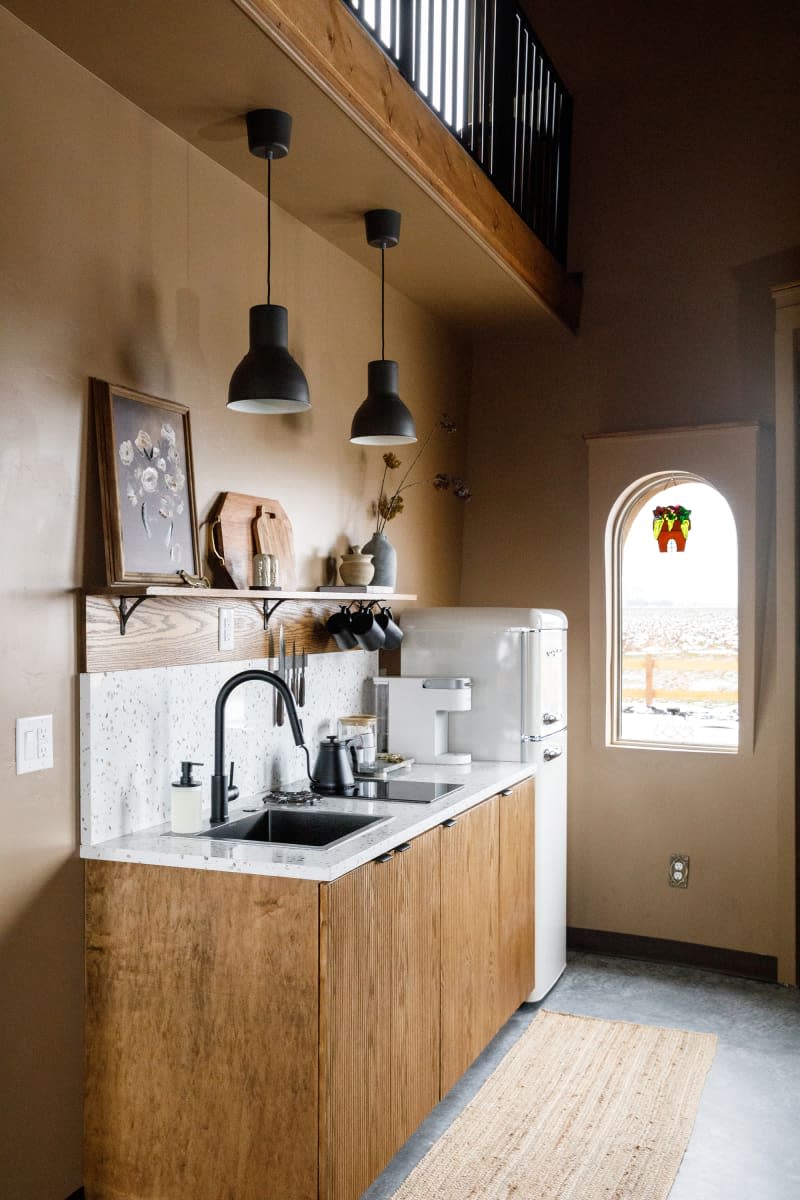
[(414, 791)]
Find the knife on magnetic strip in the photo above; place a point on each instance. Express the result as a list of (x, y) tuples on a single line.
[(281, 672)]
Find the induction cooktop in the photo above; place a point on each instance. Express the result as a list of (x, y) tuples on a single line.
[(408, 791)]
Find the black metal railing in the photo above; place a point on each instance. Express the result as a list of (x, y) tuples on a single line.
[(480, 67)]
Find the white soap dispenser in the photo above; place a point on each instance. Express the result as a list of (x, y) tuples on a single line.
[(187, 801)]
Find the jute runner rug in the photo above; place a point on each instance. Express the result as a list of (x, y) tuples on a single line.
[(579, 1109)]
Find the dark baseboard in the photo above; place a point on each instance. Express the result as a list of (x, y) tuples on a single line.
[(79, 1195), (762, 967)]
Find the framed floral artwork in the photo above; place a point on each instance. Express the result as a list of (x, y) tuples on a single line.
[(146, 486)]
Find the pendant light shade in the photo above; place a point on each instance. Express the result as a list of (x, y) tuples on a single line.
[(268, 380), (383, 419)]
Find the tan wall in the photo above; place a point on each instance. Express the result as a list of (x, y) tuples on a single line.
[(127, 256), (685, 181)]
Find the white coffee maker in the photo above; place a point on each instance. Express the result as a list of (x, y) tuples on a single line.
[(419, 709)]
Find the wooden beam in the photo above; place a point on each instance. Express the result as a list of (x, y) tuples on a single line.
[(329, 44)]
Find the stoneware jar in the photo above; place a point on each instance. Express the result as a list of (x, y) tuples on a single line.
[(356, 568)]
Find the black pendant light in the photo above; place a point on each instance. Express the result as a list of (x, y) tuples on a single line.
[(383, 419), (268, 380)]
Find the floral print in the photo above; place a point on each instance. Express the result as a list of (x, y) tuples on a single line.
[(153, 481)]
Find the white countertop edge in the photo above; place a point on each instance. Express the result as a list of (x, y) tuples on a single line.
[(159, 847)]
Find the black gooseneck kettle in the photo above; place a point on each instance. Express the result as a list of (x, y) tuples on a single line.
[(332, 770)]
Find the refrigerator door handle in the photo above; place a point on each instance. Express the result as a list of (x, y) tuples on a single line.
[(549, 755), (551, 718)]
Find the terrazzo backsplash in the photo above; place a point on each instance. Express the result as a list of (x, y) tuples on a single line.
[(138, 726)]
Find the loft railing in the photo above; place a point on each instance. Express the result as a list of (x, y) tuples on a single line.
[(480, 67)]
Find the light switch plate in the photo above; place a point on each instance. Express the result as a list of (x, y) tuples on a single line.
[(34, 744)]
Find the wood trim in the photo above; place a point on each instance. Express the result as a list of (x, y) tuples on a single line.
[(763, 967), (329, 44)]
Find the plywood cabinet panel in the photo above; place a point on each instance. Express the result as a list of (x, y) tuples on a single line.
[(355, 1079), (469, 863), (416, 984), (380, 1013), (201, 1035), (516, 897)]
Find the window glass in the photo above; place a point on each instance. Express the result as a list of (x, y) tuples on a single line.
[(676, 669)]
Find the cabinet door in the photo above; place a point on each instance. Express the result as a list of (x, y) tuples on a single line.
[(415, 1006), (469, 863), (516, 897), (355, 1046)]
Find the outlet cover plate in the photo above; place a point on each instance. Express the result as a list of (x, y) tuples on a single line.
[(225, 639), (679, 870)]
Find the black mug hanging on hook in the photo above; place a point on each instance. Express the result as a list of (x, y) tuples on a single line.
[(368, 633), (392, 631), (339, 626)]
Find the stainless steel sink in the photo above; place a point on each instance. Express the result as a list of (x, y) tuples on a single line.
[(292, 828)]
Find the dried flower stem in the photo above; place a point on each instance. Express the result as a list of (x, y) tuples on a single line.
[(381, 523)]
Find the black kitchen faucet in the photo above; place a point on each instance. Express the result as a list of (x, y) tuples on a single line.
[(221, 786)]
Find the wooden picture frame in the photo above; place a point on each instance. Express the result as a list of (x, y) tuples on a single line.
[(146, 485)]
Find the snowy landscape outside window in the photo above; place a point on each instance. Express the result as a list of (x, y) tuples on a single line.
[(675, 674)]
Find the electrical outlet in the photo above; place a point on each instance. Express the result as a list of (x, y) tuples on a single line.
[(225, 638), (34, 744), (679, 870)]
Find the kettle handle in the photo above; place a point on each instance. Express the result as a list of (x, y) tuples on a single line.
[(351, 750)]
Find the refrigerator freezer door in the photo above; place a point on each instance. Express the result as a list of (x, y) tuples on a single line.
[(544, 682)]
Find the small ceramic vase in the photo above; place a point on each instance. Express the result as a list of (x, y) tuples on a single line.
[(356, 568), (385, 558)]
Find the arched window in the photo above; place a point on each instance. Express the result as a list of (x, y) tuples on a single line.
[(674, 676)]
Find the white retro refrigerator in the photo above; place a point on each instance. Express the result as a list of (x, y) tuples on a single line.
[(517, 660)]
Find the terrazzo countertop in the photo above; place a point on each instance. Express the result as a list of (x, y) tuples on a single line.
[(399, 822)]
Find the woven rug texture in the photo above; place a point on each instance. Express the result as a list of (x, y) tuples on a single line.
[(579, 1109)]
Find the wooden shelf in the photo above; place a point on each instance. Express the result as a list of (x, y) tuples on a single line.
[(134, 590), (179, 625)]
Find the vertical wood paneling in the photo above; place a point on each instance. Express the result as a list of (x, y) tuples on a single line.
[(201, 1035), (469, 862), (516, 898), (415, 1010), (358, 995)]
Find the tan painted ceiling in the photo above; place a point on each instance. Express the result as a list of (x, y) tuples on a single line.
[(199, 67)]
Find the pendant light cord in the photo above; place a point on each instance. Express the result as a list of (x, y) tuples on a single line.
[(383, 302), (269, 225)]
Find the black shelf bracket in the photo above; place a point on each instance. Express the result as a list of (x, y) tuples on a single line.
[(125, 612), (269, 612)]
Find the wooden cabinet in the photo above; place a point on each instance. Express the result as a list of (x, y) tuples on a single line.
[(380, 1012), (469, 938), (515, 898), (355, 1004), (202, 1026), (251, 1036), (487, 924)]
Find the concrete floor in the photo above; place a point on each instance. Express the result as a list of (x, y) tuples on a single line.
[(746, 1139)]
